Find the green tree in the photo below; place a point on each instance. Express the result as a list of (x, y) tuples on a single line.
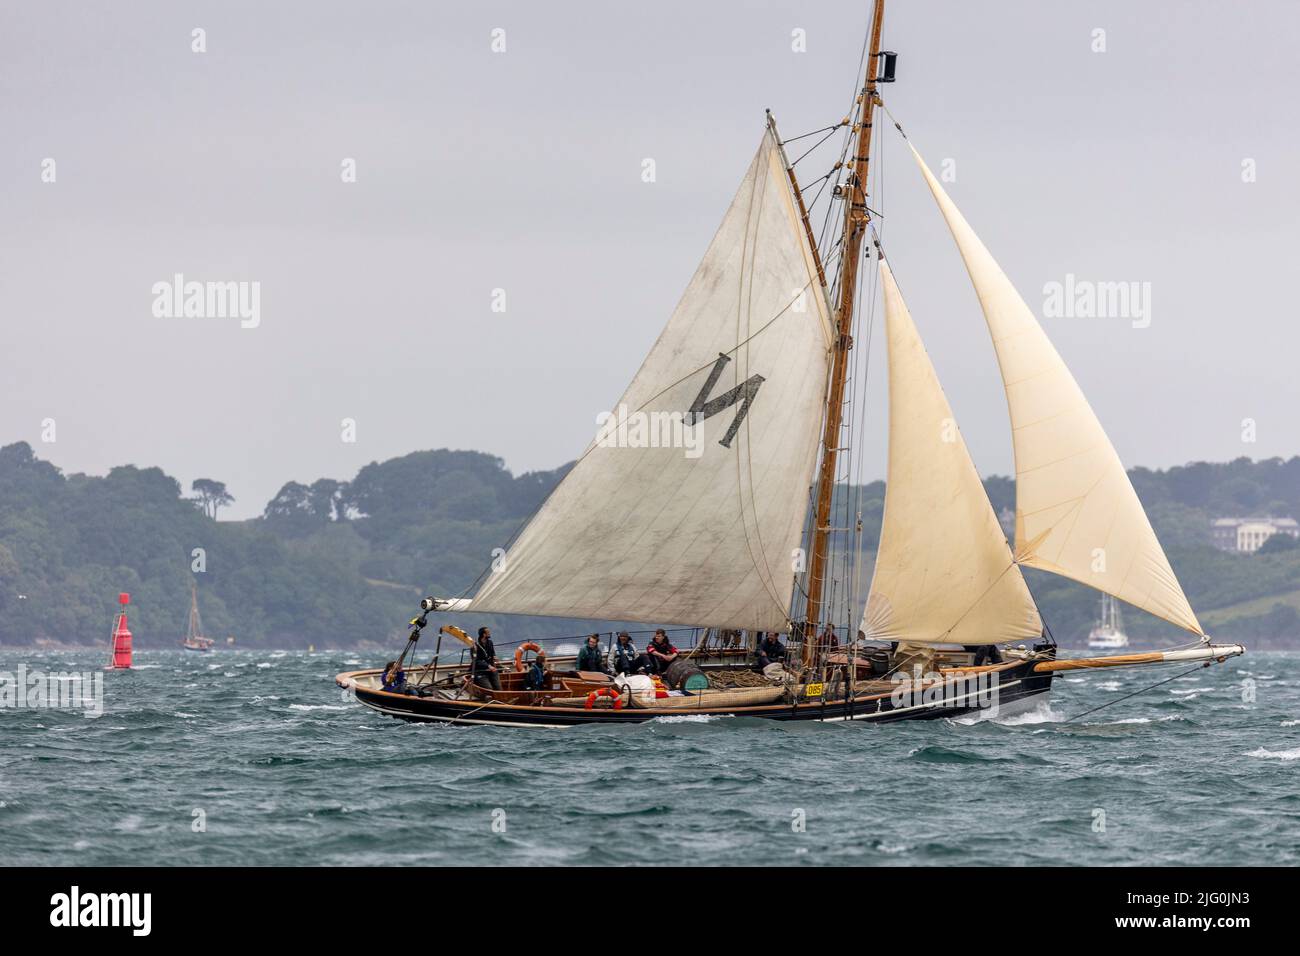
[(1278, 544), (211, 496)]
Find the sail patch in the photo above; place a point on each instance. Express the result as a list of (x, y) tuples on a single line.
[(704, 407)]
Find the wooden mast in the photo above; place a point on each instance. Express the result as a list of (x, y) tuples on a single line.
[(855, 229)]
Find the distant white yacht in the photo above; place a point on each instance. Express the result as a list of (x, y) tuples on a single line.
[(1108, 634)]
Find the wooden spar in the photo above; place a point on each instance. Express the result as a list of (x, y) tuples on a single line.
[(457, 633), (855, 229), (1084, 663), (1206, 652), (799, 203)]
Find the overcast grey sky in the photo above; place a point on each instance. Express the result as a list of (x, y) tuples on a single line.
[(522, 171)]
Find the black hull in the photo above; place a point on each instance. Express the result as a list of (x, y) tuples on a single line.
[(1016, 686)]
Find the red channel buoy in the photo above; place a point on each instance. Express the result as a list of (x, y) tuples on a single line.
[(121, 640)]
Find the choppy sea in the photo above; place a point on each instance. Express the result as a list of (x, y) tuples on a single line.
[(255, 757)]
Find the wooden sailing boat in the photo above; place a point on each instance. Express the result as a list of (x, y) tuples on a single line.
[(757, 353), (194, 639)]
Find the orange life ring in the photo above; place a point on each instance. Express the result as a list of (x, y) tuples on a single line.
[(519, 654), (605, 692)]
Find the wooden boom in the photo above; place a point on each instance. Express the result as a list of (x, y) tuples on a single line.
[(1206, 652)]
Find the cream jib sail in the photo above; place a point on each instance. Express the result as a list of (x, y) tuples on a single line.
[(944, 572), (1077, 514), (705, 535)]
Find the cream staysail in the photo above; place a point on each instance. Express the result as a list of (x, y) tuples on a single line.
[(700, 535), (944, 572), (1077, 514)]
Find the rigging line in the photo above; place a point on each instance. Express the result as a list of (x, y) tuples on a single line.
[(839, 164), (1142, 690), (835, 251), (843, 560), (862, 361), (863, 411), (897, 125), (820, 189), (814, 146), (813, 133)]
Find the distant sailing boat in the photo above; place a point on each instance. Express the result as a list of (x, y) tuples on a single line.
[(194, 639), (1108, 633), (757, 355)]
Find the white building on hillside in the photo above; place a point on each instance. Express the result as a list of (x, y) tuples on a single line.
[(1245, 535)]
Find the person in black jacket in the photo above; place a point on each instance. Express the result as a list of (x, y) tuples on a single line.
[(659, 653), (484, 663), (590, 658), (770, 650), (984, 654)]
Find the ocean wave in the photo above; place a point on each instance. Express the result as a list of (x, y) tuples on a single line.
[(1042, 713), (1292, 754), (317, 706), (937, 753)]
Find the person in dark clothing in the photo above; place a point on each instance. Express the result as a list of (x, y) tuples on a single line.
[(623, 656), (828, 640), (984, 653), (484, 661), (770, 650), (394, 678), (590, 658), (659, 653)]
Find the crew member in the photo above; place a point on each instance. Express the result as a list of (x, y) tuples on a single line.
[(770, 650), (484, 663), (590, 658), (984, 654), (623, 656), (659, 653), (394, 678)]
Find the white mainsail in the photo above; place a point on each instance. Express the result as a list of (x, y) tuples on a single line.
[(1077, 514), (944, 572), (667, 535)]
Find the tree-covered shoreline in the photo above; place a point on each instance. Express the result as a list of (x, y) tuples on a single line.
[(340, 564)]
